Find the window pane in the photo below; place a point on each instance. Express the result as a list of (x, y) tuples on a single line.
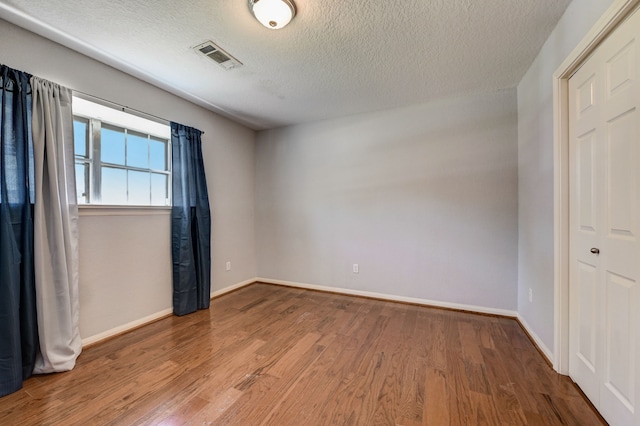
[(112, 145), (80, 136), (158, 154), (82, 190), (139, 188), (159, 190), (122, 163), (114, 186), (137, 150)]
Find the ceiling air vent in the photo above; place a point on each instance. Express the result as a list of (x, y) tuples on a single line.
[(215, 53)]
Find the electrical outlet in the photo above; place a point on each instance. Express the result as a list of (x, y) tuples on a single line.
[(228, 265), (356, 268), (530, 295)]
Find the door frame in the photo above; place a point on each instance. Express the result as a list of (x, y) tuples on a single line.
[(617, 12)]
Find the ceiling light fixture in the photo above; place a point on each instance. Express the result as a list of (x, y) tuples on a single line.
[(273, 14)]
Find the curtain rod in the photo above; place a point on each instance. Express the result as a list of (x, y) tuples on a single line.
[(124, 108)]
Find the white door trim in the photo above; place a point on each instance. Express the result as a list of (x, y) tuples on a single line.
[(619, 10)]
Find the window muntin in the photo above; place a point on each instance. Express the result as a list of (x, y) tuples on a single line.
[(81, 148), (121, 159)]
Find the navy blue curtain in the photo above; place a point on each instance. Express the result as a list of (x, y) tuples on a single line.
[(18, 323), (190, 223)]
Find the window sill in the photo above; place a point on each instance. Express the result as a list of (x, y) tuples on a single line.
[(105, 210)]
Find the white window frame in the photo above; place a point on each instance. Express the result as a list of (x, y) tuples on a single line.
[(96, 115)]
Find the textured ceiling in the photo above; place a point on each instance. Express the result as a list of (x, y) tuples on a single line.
[(335, 58)]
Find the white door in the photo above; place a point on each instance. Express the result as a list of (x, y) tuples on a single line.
[(604, 152)]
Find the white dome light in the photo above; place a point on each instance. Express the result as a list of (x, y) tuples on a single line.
[(273, 14)]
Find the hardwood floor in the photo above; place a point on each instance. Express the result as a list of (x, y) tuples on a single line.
[(269, 355)]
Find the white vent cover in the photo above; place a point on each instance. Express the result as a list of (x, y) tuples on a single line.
[(218, 55)]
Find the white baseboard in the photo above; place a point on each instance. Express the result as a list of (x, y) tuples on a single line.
[(125, 327), (232, 287), (392, 298), (425, 302), (153, 317), (537, 340)]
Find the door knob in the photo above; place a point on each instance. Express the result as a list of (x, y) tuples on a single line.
[(595, 250)]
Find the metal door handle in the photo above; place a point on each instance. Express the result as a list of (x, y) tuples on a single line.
[(595, 250)]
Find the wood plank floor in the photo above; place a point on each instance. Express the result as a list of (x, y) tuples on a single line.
[(269, 355)]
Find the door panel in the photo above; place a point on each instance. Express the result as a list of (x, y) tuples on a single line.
[(620, 343), (586, 96), (604, 152), (621, 182), (619, 399), (586, 182), (587, 287), (620, 69), (585, 228)]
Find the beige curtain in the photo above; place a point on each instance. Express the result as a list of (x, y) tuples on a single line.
[(55, 228)]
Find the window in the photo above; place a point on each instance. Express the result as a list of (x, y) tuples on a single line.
[(121, 158)]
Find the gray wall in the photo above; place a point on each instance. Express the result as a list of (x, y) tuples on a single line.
[(125, 258), (423, 198), (535, 167), (427, 199)]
